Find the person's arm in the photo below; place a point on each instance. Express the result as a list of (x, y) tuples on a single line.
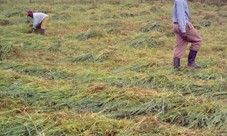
[(35, 23), (181, 15)]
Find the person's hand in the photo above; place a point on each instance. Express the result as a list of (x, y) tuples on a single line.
[(184, 36), (33, 30)]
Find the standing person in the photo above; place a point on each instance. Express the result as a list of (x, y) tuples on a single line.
[(39, 21), (184, 33)]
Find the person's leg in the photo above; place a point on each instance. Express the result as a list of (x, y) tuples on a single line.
[(196, 41), (180, 47), (38, 27), (43, 26)]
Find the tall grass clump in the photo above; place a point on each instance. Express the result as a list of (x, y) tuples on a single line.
[(5, 22), (88, 35), (7, 51), (152, 26), (39, 71), (90, 57), (144, 41)]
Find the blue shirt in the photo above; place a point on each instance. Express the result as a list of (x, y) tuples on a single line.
[(181, 14)]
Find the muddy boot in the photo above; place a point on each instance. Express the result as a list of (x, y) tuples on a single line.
[(42, 31), (191, 59), (176, 63)]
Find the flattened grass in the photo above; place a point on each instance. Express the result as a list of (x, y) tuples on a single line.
[(81, 79)]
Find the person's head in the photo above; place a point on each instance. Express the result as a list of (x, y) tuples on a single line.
[(30, 13)]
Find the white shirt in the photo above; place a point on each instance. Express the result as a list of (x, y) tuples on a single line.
[(38, 18)]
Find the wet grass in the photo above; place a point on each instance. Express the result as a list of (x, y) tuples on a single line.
[(106, 69)]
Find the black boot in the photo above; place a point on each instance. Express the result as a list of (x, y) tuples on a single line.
[(191, 59), (176, 63), (42, 31)]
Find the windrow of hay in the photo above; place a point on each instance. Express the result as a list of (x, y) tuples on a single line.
[(143, 41), (123, 103), (7, 51)]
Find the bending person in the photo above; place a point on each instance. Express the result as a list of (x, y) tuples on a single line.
[(39, 21)]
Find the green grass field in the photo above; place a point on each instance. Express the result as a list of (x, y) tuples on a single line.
[(106, 69)]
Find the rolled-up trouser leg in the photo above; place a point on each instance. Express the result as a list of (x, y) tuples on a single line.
[(181, 44), (43, 26), (44, 22), (194, 38)]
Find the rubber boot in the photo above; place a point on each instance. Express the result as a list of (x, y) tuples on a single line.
[(191, 59), (176, 63), (42, 31)]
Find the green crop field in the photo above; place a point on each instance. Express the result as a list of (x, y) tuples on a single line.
[(105, 69)]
